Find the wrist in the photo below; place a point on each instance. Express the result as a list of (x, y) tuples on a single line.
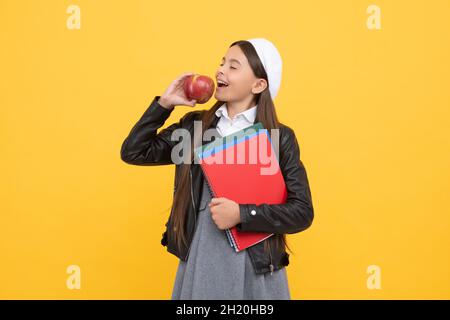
[(163, 103)]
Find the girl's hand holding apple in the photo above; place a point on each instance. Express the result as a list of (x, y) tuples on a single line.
[(188, 89), (174, 94)]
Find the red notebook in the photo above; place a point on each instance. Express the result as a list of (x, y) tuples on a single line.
[(255, 179)]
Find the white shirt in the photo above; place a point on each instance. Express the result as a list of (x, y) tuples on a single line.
[(227, 126)]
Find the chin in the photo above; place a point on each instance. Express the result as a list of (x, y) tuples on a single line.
[(220, 97)]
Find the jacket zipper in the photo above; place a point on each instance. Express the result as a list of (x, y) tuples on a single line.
[(195, 213), (270, 256)]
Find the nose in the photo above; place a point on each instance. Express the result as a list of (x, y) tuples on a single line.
[(219, 72)]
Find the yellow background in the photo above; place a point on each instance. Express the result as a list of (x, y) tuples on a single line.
[(370, 109)]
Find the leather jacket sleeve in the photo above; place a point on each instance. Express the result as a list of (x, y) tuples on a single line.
[(297, 213), (144, 146)]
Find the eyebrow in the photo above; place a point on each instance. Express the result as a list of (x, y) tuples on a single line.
[(223, 58)]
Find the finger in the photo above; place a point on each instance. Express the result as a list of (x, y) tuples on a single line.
[(215, 201), (178, 82), (186, 74), (190, 103)]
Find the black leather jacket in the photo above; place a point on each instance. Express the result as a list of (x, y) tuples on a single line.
[(145, 146)]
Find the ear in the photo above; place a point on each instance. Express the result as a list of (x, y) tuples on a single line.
[(259, 86)]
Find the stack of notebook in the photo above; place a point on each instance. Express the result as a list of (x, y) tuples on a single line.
[(257, 179)]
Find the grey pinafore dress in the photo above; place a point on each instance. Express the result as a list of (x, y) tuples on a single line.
[(214, 270)]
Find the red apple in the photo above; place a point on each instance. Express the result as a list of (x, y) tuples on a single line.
[(198, 87)]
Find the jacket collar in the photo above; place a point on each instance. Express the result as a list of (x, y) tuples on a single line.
[(215, 121)]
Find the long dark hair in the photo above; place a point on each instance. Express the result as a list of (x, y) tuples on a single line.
[(265, 114)]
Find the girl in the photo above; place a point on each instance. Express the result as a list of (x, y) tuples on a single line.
[(209, 268)]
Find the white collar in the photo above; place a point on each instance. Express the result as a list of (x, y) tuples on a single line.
[(249, 114)]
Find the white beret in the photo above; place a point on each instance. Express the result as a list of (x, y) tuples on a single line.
[(271, 60)]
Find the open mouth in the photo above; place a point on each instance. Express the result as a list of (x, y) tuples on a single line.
[(221, 84)]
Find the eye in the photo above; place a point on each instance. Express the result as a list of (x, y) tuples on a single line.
[(230, 67)]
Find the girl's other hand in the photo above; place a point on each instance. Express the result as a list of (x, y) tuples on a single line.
[(225, 212), (174, 94)]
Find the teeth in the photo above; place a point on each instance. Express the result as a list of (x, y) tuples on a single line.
[(220, 81)]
